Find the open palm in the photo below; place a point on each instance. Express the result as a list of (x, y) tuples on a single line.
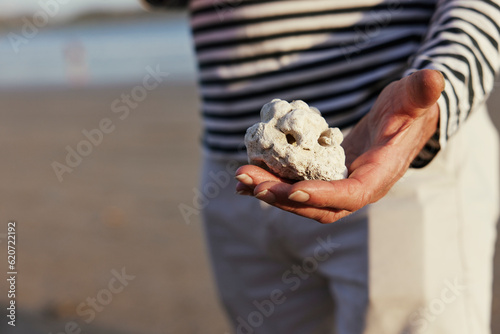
[(379, 150)]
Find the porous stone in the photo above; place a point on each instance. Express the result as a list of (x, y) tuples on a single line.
[(294, 141)]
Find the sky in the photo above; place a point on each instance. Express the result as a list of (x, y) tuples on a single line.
[(64, 8)]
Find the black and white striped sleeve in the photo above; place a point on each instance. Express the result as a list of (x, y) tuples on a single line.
[(463, 43)]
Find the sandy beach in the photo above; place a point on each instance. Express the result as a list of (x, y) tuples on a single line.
[(117, 209), (110, 229)]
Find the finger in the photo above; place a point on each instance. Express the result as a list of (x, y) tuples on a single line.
[(345, 194), (253, 175), (276, 194), (425, 87), (420, 91), (272, 192), (242, 189)]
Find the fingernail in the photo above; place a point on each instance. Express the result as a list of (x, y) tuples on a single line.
[(299, 196), (266, 196), (244, 193), (245, 179)]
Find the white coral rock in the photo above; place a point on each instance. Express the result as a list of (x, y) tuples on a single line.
[(294, 141)]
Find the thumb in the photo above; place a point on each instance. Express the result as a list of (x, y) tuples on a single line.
[(422, 89)]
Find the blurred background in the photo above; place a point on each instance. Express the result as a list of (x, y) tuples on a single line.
[(63, 68), (100, 151)]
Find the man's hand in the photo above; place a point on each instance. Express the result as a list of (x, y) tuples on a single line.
[(379, 150)]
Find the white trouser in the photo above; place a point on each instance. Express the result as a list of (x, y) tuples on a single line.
[(418, 261), (432, 240)]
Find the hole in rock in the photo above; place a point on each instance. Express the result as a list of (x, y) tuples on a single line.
[(291, 139)]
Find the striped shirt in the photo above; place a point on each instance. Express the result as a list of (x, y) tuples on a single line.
[(337, 55)]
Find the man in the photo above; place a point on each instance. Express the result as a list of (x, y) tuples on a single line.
[(407, 80)]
